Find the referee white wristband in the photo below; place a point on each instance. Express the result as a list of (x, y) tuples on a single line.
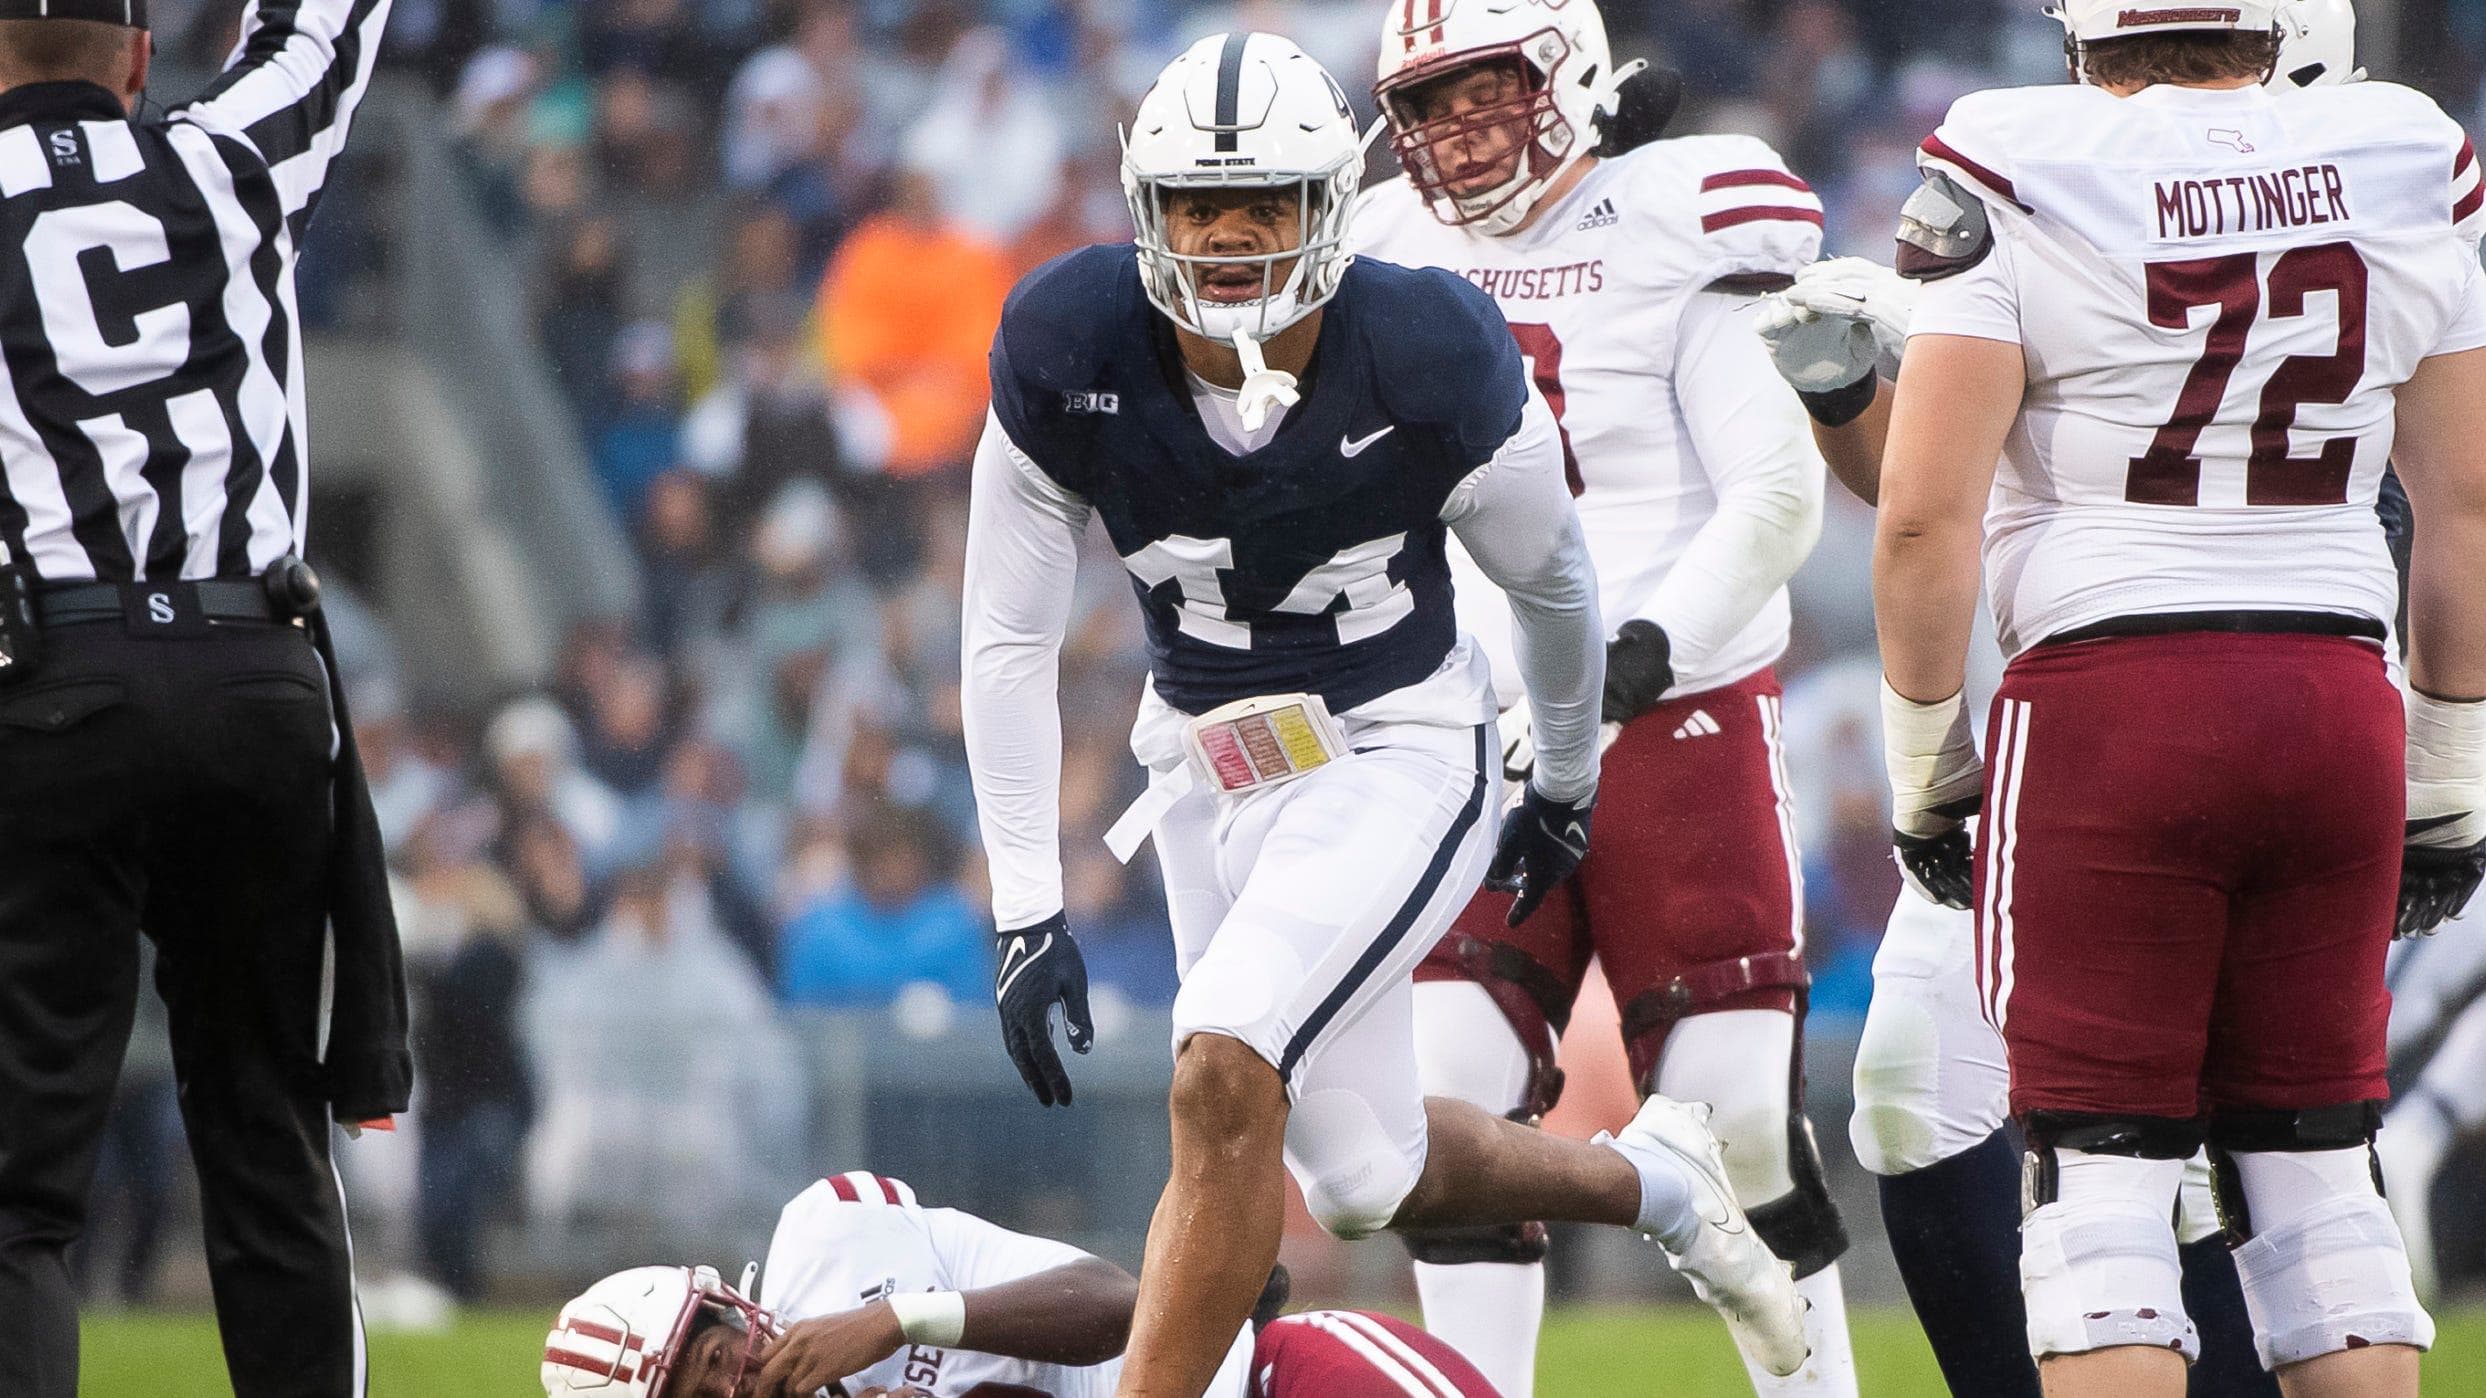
[(935, 1318)]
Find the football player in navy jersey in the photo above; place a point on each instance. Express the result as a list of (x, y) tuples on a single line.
[(1278, 439)]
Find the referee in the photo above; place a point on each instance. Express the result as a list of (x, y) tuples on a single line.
[(172, 757)]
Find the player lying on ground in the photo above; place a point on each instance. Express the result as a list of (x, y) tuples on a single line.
[(1627, 275), (1930, 1080), (1279, 440), (867, 1294), (2181, 927)]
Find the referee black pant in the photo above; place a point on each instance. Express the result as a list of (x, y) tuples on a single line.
[(180, 786)]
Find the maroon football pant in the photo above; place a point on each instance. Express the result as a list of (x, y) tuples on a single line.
[(1355, 1354), (1691, 868), (2188, 870)]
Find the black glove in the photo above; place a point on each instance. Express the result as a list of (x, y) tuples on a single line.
[(1035, 969), (1639, 669), (1941, 867), (2435, 884), (1543, 840)]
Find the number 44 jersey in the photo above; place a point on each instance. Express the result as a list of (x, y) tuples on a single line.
[(2216, 292)]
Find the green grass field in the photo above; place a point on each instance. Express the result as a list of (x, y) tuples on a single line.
[(1588, 1354)]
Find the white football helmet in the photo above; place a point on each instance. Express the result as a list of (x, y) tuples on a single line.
[(2317, 44), (2093, 21), (1560, 46), (1248, 111), (621, 1337)]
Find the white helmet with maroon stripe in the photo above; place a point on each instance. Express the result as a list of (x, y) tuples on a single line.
[(622, 1337), (1568, 87)]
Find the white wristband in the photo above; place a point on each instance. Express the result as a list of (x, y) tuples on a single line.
[(935, 1318), (2446, 766)]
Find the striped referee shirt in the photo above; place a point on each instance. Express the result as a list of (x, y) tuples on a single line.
[(151, 398)]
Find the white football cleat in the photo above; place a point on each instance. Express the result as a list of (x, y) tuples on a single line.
[(1728, 1265)]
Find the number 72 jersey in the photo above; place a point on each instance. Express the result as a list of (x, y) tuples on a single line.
[(2216, 292)]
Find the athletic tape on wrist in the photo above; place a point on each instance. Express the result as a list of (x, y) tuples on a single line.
[(935, 1318)]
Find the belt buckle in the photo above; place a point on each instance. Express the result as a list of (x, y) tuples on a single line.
[(1264, 741)]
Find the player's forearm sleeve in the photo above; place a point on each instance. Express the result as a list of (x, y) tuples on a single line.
[(1758, 450), (1515, 517), (1022, 565), (292, 87)]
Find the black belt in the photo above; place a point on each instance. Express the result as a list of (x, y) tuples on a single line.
[(2247, 623), (216, 599)]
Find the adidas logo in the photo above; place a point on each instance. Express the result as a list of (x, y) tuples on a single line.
[(1699, 725), (1602, 216)]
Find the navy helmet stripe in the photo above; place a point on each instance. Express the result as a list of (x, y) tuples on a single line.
[(1401, 920), (1230, 88)]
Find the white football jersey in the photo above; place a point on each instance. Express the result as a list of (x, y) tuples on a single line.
[(2216, 292), (1595, 291), (856, 1238)]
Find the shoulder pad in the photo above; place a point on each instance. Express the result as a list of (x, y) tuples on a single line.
[(1439, 344), (1061, 319), (1943, 230)]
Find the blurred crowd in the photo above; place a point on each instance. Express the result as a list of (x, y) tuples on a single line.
[(768, 241)]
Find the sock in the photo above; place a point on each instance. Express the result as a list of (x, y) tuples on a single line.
[(2229, 1367), (1832, 1369), (1955, 1229), (1490, 1313)]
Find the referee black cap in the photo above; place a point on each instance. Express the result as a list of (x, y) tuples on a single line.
[(132, 13)]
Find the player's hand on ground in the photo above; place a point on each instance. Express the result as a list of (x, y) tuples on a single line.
[(1842, 320), (813, 1355), (1543, 841), (1937, 781), (2446, 854), (1035, 969)]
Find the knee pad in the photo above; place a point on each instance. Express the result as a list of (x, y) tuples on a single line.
[(1486, 1042), (2334, 1278), (1713, 986), (2323, 1265), (1802, 1227), (1353, 1174), (1518, 1244), (2098, 1261)]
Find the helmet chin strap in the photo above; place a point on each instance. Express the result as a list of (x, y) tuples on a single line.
[(1264, 388)]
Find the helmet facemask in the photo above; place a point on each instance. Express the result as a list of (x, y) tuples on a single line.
[(1319, 254), (1545, 141)]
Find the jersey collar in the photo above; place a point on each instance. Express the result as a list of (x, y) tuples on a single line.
[(58, 101)]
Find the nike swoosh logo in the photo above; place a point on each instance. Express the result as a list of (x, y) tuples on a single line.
[(1015, 961), (2419, 827), (1355, 447)]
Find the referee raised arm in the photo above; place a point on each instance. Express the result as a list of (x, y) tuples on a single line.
[(171, 758)]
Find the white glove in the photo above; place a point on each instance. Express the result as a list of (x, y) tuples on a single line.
[(1841, 320), (1936, 783), (1518, 732)]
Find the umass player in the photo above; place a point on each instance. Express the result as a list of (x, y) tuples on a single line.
[(1627, 277), (868, 1294), (1279, 440), (2208, 809)]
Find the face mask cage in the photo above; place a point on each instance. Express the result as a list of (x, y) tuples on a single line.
[(1172, 279), (758, 1328), (1544, 135)]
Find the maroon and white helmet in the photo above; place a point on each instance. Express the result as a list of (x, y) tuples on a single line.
[(622, 1337), (1571, 83)]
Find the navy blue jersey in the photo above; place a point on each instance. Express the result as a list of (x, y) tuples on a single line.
[(1314, 564)]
